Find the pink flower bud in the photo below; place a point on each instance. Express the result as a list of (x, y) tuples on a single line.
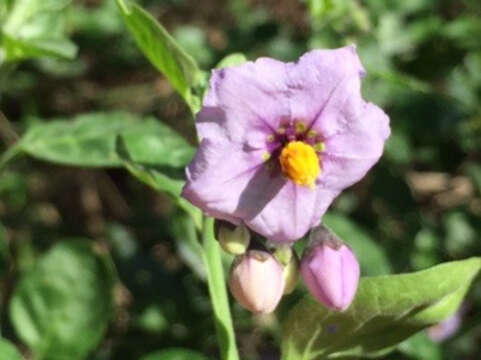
[(256, 281), (330, 270)]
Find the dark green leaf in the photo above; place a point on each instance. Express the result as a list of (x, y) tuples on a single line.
[(175, 354), (386, 311), (8, 351), (62, 307), (163, 51), (371, 256)]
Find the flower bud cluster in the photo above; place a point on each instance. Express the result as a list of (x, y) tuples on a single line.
[(259, 279)]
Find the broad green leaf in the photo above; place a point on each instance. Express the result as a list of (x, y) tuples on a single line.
[(163, 51), (91, 140), (154, 143), (386, 311), (232, 60), (62, 307), (371, 256), (175, 354), (8, 351)]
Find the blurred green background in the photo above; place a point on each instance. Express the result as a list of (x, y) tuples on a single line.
[(421, 205)]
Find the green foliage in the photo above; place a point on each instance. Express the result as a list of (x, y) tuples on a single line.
[(175, 354), (423, 64), (92, 140), (35, 28), (421, 347), (386, 311), (62, 307), (163, 52), (8, 351)]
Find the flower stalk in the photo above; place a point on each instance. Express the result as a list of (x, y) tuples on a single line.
[(218, 292)]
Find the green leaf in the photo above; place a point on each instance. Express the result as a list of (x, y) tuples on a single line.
[(8, 351), (24, 11), (174, 354), (91, 140), (386, 311), (61, 307), (21, 49), (35, 28), (421, 347), (163, 52), (371, 256), (154, 143)]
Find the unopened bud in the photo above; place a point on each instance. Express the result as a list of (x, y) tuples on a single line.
[(233, 239), (256, 281), (291, 274), (330, 270)]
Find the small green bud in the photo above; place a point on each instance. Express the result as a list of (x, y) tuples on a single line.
[(291, 274), (283, 254), (233, 239)]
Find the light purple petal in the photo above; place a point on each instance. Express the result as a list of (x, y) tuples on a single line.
[(350, 276), (229, 182), (320, 81), (353, 151), (292, 212), (245, 103)]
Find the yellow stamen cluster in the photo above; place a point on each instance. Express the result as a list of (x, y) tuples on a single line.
[(300, 163)]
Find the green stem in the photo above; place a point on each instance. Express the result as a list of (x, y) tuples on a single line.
[(218, 292)]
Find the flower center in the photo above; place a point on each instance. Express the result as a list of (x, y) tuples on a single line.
[(300, 163)]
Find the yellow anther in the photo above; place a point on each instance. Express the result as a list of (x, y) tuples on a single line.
[(266, 156), (299, 162), (319, 146), (300, 127), (311, 134)]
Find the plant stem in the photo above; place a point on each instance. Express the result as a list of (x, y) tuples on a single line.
[(218, 292)]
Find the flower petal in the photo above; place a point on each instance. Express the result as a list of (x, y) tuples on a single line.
[(321, 80), (292, 212), (227, 181), (245, 103), (352, 152)]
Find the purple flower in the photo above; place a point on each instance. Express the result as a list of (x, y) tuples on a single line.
[(279, 141), (330, 270)]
